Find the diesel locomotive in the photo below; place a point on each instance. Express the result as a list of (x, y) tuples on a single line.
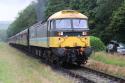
[(62, 39)]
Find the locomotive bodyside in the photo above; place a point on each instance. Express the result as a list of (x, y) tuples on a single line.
[(38, 35)]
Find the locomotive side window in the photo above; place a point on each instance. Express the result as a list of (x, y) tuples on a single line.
[(49, 25), (52, 25)]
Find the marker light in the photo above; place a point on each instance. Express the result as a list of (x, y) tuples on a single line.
[(60, 33), (84, 33)]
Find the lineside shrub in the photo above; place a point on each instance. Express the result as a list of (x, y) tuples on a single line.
[(97, 44)]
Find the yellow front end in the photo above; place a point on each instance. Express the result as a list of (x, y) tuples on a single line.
[(69, 41)]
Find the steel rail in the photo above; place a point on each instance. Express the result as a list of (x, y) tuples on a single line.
[(77, 76), (104, 75)]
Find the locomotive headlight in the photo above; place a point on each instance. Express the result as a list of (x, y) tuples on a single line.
[(84, 33), (60, 33)]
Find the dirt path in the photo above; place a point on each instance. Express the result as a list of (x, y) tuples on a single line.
[(16, 67)]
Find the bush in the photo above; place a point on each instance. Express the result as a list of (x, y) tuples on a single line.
[(97, 44)]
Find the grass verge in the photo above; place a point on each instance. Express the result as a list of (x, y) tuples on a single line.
[(16, 67), (108, 63), (114, 59)]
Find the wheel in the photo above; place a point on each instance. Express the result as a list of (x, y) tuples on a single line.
[(79, 63)]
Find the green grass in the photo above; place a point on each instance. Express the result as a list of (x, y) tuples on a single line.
[(5, 75), (109, 59), (113, 64), (16, 67)]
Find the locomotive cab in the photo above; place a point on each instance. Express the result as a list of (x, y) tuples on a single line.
[(69, 27)]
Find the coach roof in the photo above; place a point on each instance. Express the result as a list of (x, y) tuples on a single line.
[(67, 14)]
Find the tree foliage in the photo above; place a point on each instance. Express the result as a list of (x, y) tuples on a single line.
[(117, 25), (106, 17), (26, 18), (3, 35), (97, 44), (54, 6)]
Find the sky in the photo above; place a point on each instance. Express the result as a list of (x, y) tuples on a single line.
[(9, 9)]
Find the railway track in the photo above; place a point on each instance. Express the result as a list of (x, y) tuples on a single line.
[(109, 78), (94, 76), (85, 74), (80, 78)]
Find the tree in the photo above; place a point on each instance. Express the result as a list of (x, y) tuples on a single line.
[(25, 19), (3, 35), (103, 16), (54, 6), (117, 26)]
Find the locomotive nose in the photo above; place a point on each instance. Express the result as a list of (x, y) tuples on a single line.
[(74, 42)]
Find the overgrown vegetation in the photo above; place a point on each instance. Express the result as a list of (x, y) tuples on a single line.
[(108, 63), (97, 44), (109, 58), (106, 17)]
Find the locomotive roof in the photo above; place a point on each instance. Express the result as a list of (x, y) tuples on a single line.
[(67, 14)]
